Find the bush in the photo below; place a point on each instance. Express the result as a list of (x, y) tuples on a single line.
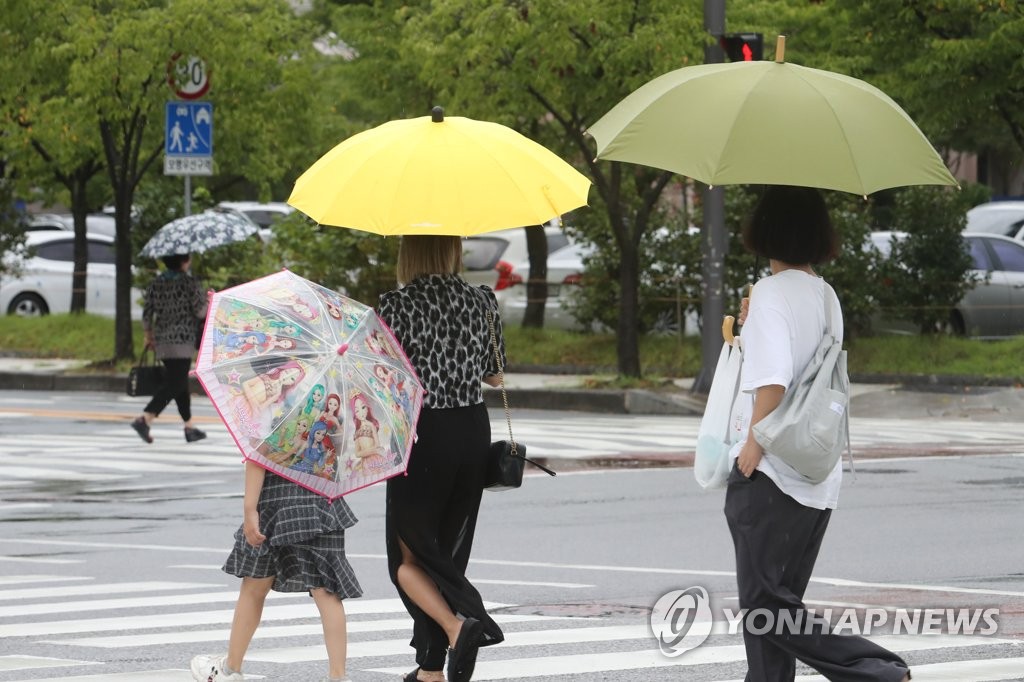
[(928, 272)]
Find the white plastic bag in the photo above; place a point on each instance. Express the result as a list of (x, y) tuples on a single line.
[(716, 433)]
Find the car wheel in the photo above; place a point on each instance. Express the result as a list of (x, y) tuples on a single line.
[(28, 305)]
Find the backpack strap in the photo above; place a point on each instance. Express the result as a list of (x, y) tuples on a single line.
[(831, 298)]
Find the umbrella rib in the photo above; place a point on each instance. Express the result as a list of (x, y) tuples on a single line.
[(842, 130)]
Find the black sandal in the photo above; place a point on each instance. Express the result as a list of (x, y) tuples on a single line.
[(462, 657), (412, 677)]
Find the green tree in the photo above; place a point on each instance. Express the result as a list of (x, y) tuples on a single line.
[(267, 108), (548, 70), (48, 142)]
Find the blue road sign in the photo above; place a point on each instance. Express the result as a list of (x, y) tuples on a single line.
[(188, 139)]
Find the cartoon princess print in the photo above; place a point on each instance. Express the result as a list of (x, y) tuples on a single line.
[(240, 317), (282, 446), (331, 414), (315, 400), (366, 436), (378, 342), (319, 447), (289, 299), (271, 387)]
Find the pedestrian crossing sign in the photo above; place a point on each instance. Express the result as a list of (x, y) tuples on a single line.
[(188, 138)]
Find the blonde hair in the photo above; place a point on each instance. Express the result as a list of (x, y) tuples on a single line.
[(420, 255)]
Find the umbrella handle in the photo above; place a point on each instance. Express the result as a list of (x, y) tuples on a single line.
[(780, 50), (727, 329)]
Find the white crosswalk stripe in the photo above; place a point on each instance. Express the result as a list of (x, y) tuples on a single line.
[(536, 646)]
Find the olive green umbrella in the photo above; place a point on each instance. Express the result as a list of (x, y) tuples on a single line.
[(770, 123)]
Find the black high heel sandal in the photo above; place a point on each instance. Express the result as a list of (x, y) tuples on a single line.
[(462, 657), (412, 677)]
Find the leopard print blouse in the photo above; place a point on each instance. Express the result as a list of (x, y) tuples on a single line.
[(173, 304), (441, 322)]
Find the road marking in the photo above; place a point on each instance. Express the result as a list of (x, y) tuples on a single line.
[(528, 583), (274, 632), (113, 588), (36, 560), (50, 413), (953, 671), (169, 675), (306, 609), (32, 579), (16, 662), (575, 664)]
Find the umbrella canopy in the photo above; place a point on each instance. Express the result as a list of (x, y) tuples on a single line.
[(770, 123), (198, 233), (311, 385), (437, 175)]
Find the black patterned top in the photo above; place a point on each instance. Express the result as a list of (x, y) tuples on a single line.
[(441, 322), (173, 305)]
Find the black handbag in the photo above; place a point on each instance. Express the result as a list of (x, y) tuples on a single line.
[(145, 378), (506, 459)]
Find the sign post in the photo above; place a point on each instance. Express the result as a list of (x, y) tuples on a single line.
[(188, 135)]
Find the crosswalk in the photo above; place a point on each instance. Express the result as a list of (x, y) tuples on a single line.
[(108, 456), (58, 631)]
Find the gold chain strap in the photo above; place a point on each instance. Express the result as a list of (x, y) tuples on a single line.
[(501, 376)]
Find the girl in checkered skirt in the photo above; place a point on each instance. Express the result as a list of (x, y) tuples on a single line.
[(291, 540)]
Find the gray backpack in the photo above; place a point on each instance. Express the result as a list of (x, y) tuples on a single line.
[(807, 429)]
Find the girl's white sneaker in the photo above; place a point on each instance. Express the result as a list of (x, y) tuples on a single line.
[(211, 669)]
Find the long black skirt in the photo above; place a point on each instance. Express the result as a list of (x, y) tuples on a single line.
[(433, 510)]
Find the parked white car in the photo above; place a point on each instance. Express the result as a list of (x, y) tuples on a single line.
[(50, 222), (263, 214), (1004, 218), (490, 258), (44, 283)]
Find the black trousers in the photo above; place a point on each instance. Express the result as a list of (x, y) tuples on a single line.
[(433, 510), (777, 541), (175, 387)]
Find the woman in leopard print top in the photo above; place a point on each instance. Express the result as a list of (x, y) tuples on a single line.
[(441, 322), (174, 302)]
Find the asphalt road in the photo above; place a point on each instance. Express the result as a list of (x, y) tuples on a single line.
[(111, 550)]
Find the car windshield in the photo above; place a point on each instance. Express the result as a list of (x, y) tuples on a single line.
[(481, 253), (995, 221)]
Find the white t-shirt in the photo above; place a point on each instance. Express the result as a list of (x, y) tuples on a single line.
[(785, 323)]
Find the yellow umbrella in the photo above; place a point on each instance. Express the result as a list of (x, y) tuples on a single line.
[(437, 175)]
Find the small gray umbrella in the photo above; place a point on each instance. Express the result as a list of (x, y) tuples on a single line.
[(198, 233)]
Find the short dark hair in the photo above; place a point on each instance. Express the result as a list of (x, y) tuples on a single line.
[(792, 225), (174, 262)]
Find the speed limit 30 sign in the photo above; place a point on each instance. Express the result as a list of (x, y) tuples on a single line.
[(188, 77)]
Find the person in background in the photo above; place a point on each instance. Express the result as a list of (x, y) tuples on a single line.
[(776, 517), (173, 304), (431, 512)]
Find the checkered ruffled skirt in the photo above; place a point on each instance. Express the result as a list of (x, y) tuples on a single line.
[(305, 546)]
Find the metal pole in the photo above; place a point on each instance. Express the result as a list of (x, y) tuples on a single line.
[(188, 195), (714, 240)]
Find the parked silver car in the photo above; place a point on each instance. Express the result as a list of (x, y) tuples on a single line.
[(994, 307)]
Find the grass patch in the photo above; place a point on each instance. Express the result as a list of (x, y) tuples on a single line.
[(91, 338), (83, 337), (936, 355), (659, 355)]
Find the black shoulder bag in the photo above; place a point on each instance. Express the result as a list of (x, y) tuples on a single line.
[(505, 458)]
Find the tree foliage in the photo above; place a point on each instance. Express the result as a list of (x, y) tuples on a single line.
[(113, 58)]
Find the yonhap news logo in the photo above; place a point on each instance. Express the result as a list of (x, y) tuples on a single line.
[(681, 620)]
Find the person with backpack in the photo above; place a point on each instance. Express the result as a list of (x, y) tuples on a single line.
[(777, 517)]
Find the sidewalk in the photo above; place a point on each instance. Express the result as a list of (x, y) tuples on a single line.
[(891, 397)]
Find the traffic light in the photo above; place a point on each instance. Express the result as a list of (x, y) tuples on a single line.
[(743, 47)]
